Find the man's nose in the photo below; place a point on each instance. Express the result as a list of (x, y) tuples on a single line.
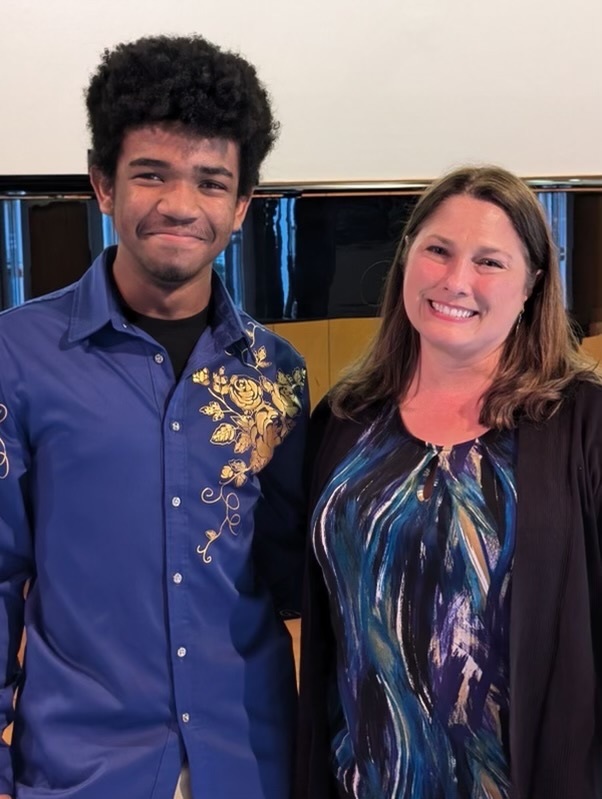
[(179, 201)]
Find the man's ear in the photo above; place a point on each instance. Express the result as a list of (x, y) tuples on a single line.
[(103, 189), (242, 206)]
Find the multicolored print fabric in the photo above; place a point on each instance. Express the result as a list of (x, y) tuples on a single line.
[(416, 544), (253, 415)]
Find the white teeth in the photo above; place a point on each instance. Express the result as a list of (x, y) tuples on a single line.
[(447, 310)]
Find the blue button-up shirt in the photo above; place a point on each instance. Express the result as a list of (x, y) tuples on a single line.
[(160, 525)]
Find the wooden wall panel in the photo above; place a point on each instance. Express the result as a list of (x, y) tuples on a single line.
[(593, 347), (311, 340), (348, 338)]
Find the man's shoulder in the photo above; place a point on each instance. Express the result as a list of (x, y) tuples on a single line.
[(277, 348), (32, 313)]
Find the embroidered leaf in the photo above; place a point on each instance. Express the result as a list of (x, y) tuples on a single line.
[(243, 443), (260, 357), (219, 383), (266, 385), (211, 534), (227, 472), (299, 376), (257, 462), (211, 409), (224, 434), (244, 423), (201, 376)]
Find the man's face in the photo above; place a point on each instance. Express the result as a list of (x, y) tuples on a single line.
[(174, 203)]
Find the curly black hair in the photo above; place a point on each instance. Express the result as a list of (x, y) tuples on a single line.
[(185, 80)]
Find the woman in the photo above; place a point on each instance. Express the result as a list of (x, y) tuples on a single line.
[(452, 644)]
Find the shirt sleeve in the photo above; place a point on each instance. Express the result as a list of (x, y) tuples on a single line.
[(280, 517), (15, 568)]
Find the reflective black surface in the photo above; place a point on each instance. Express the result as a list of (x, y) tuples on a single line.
[(301, 255)]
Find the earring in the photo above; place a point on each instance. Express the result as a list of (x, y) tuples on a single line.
[(519, 319)]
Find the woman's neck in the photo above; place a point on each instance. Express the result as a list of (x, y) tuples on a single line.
[(444, 401)]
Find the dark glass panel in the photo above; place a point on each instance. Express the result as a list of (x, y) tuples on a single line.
[(299, 256)]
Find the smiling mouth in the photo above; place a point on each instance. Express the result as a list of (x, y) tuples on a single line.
[(451, 311), (175, 238), (173, 235)]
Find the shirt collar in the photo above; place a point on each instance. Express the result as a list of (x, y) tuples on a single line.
[(96, 304)]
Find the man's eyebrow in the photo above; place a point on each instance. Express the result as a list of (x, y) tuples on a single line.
[(202, 171), (152, 162), (213, 171)]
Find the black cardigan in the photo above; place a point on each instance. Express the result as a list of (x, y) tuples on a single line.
[(556, 608)]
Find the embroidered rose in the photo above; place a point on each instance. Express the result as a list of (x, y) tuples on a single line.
[(253, 415), (246, 393)]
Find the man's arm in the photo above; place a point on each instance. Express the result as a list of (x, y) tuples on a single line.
[(15, 569), (280, 522)]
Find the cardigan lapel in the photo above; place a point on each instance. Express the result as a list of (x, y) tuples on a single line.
[(542, 541)]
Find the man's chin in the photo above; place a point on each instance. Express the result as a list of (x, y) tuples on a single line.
[(174, 275)]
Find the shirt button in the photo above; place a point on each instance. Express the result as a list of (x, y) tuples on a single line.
[(177, 578), (159, 358), (176, 502), (175, 426), (124, 325), (185, 718), (182, 652)]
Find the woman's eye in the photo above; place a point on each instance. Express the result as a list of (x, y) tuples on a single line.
[(492, 263), (436, 249)]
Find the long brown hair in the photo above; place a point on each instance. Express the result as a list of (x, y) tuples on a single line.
[(540, 357)]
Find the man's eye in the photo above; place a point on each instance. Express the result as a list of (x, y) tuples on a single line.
[(148, 176), (212, 185)]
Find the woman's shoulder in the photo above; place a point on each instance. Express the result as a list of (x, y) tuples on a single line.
[(331, 437), (584, 396), (326, 422)]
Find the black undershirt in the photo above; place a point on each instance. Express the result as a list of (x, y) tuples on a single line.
[(177, 336)]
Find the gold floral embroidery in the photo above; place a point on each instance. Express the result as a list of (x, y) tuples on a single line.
[(253, 415), (4, 464)]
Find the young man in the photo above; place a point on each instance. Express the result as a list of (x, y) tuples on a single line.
[(151, 445)]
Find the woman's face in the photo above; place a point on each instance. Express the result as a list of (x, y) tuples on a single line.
[(465, 280)]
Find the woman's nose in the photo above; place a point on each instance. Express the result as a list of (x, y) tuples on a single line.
[(458, 274)]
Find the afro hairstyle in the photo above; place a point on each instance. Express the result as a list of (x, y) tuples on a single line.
[(184, 80)]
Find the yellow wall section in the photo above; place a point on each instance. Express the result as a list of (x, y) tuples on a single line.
[(311, 340), (593, 347), (328, 346)]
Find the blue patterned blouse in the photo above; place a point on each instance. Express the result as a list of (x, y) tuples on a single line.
[(416, 544)]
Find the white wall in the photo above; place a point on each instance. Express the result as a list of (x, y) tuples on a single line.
[(370, 90)]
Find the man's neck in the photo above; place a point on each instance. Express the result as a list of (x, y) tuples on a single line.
[(161, 301)]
